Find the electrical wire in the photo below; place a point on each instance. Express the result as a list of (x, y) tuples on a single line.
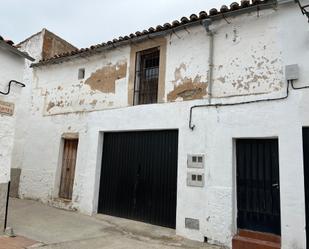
[(303, 8), (297, 88), (9, 87), (192, 126)]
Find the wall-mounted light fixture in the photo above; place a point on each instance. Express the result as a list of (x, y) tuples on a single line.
[(304, 8)]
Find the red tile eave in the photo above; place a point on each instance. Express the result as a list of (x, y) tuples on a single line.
[(9, 42), (183, 21)]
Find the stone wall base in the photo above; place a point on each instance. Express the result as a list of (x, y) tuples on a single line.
[(15, 178), (3, 196)]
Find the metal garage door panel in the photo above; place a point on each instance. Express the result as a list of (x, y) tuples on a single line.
[(258, 188), (306, 177), (139, 176)]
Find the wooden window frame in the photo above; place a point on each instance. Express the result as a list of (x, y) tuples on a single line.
[(142, 95), (145, 45)]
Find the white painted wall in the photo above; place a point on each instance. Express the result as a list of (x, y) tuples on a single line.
[(250, 55), (33, 47), (11, 68)]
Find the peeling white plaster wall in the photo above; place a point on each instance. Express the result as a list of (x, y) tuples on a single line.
[(247, 62), (11, 69), (23, 128), (250, 55), (65, 93)]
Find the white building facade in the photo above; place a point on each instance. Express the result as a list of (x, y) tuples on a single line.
[(221, 85), (12, 64)]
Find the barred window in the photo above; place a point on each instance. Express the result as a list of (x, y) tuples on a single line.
[(146, 76)]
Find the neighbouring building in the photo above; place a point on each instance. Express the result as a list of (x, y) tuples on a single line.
[(12, 63), (200, 125), (41, 45)]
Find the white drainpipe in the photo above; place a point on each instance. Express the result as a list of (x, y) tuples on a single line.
[(210, 33)]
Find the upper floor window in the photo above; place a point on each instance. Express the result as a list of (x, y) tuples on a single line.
[(147, 76), (81, 73)]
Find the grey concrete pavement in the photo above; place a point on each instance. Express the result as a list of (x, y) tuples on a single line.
[(60, 229)]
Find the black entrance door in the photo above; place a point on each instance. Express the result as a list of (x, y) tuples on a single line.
[(139, 176), (258, 194), (306, 175)]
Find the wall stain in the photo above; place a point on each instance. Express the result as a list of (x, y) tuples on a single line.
[(185, 87), (260, 74), (222, 79), (50, 106), (189, 89), (274, 61), (104, 79), (235, 35), (93, 103), (178, 74), (53, 104)]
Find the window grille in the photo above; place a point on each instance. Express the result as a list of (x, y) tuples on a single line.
[(147, 77)]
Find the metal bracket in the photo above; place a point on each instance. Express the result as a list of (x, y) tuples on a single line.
[(304, 9)]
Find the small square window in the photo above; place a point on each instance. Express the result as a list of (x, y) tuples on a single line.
[(81, 73), (194, 159), (200, 159), (193, 177)]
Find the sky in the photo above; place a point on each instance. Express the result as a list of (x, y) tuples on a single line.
[(88, 22)]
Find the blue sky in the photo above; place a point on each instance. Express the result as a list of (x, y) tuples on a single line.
[(84, 23)]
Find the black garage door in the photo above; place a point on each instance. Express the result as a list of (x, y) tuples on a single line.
[(306, 176), (139, 176)]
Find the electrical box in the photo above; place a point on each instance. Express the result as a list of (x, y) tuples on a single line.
[(292, 72), (192, 223), (195, 179), (196, 161)]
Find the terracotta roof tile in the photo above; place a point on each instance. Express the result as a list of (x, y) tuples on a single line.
[(213, 12), (184, 20), (203, 14), (175, 23), (256, 1), (224, 8), (193, 17), (245, 3), (15, 48), (234, 6), (10, 42), (167, 25)]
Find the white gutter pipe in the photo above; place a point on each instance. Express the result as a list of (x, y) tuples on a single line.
[(210, 33)]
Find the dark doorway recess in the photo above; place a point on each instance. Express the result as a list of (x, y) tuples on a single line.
[(306, 176), (258, 189), (139, 176)]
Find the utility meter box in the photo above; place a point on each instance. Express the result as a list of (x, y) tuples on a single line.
[(292, 72), (195, 179), (196, 161)]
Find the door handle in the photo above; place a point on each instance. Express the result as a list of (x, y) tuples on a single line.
[(275, 185)]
